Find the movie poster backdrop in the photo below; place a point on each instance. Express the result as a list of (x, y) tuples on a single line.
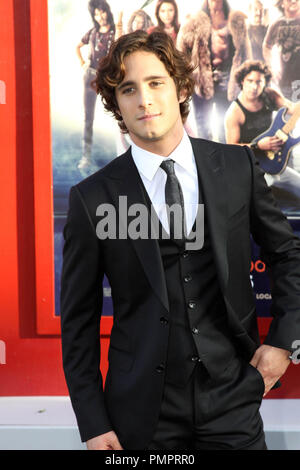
[(85, 138)]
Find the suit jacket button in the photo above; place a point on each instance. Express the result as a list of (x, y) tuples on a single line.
[(185, 254), (195, 331), (187, 278), (160, 368), (164, 321), (192, 304)]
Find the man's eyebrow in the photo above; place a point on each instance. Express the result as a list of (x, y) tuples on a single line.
[(146, 79), (125, 84)]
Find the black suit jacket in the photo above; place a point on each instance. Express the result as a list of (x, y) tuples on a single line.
[(238, 203)]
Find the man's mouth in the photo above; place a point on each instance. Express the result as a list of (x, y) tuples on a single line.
[(148, 117)]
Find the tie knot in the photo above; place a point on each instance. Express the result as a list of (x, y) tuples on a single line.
[(168, 166)]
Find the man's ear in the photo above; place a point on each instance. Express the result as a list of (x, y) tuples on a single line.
[(182, 95)]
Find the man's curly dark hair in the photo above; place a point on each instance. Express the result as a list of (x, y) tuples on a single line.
[(111, 70), (249, 66)]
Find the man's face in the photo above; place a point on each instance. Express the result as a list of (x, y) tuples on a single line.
[(253, 85), (291, 7), (147, 100), (256, 10), (213, 4), (101, 17)]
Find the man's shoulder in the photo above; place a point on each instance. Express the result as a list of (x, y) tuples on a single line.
[(234, 114), (273, 27), (211, 146), (85, 39), (233, 158), (112, 168)]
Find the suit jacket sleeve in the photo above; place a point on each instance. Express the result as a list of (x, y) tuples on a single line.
[(81, 304), (280, 250)]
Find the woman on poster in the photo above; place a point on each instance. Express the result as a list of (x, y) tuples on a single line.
[(166, 13), (138, 21), (99, 39)]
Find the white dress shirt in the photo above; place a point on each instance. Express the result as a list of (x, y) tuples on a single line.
[(154, 179)]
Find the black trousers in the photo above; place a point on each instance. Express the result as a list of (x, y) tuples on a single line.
[(213, 414)]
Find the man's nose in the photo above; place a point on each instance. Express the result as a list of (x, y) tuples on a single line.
[(145, 98)]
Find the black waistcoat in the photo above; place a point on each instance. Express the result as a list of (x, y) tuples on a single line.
[(198, 318)]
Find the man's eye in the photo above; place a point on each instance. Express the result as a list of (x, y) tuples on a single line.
[(155, 83), (128, 91)]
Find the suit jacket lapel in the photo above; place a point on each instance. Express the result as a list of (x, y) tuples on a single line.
[(211, 173), (129, 183)]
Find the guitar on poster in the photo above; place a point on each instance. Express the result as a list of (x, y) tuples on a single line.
[(275, 162)]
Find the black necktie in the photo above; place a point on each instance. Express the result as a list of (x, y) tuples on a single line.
[(173, 195)]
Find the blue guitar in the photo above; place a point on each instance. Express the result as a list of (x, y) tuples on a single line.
[(275, 162)]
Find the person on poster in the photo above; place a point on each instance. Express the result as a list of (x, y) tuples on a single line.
[(166, 14), (99, 39), (217, 43), (139, 20), (251, 114), (257, 29), (186, 368), (284, 34)]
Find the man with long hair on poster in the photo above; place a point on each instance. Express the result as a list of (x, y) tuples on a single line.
[(216, 41), (251, 114), (99, 39), (284, 33), (186, 367)]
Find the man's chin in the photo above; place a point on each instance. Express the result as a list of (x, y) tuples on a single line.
[(151, 136)]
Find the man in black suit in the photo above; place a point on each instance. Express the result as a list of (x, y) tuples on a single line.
[(186, 369)]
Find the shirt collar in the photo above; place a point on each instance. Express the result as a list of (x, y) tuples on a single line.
[(148, 163)]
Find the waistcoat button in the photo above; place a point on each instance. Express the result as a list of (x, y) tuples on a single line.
[(196, 359)]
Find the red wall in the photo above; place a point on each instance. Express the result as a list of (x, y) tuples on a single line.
[(33, 362)]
